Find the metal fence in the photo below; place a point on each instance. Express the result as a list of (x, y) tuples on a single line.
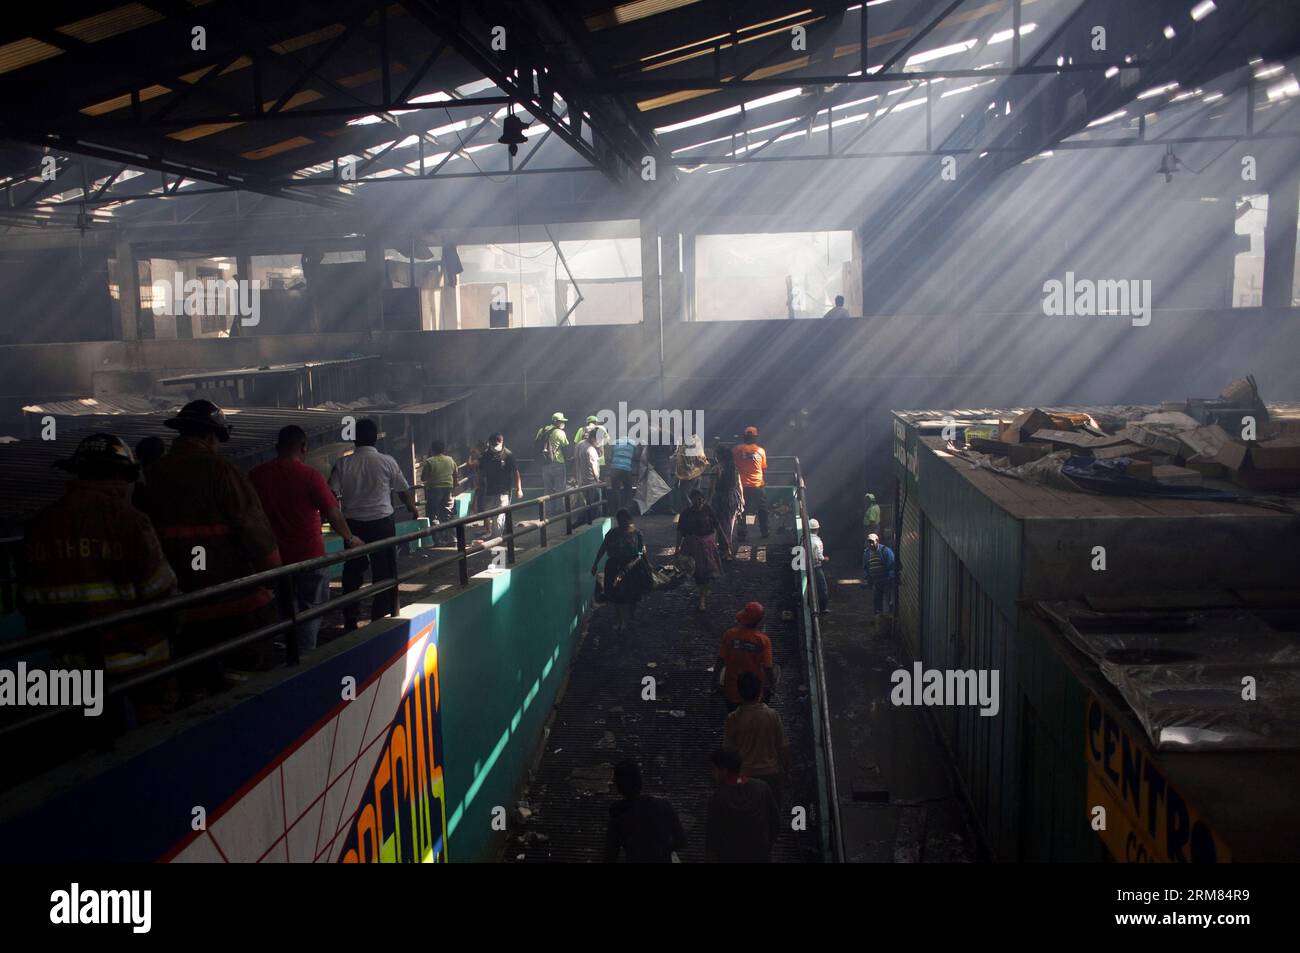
[(281, 580), (817, 670)]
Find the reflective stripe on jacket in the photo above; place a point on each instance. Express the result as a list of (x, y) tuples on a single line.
[(91, 555), (212, 526)]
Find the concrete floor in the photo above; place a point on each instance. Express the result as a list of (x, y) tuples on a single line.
[(603, 717), (897, 800)]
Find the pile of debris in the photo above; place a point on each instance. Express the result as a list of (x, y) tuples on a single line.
[(1230, 440)]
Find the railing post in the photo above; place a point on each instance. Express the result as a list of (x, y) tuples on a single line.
[(510, 535), (463, 562), (541, 515), (568, 512), (397, 586), (289, 607)]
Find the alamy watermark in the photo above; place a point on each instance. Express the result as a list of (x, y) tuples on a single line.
[(61, 688), (209, 297), (664, 428), (126, 907), (1084, 297), (946, 687)]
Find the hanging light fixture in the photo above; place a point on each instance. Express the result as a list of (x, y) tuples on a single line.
[(512, 132)]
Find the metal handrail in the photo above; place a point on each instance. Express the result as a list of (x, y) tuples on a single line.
[(282, 576), (837, 829)]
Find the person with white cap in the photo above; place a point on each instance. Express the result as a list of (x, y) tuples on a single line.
[(817, 557), (599, 438), (878, 564)]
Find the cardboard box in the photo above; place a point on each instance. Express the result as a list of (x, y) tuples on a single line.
[(1026, 424), (1125, 449), (1015, 453), (1282, 453), (1266, 465), (1071, 440), (1208, 467), (1151, 437), (1204, 441), (1176, 476)]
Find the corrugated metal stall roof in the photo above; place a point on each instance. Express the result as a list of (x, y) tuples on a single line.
[(122, 405), (268, 370)]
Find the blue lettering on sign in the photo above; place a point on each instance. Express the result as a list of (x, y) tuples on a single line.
[(1138, 784)]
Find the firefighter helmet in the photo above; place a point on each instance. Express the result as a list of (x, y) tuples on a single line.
[(101, 451), (204, 414)]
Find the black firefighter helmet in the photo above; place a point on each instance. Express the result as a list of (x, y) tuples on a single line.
[(101, 454), (202, 414)]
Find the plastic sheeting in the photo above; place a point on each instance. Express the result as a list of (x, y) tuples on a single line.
[(652, 487), (1109, 477), (1218, 679)]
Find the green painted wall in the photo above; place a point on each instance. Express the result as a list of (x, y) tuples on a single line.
[(1056, 828), (504, 646)]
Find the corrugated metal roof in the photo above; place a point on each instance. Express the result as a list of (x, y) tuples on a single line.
[(103, 406), (264, 371)]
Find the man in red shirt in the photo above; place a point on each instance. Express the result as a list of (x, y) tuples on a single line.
[(295, 497), (745, 649), (751, 461)]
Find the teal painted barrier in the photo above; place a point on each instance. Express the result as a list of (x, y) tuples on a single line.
[(393, 744), (504, 649)]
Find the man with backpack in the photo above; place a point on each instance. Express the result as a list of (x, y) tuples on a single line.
[(550, 446)]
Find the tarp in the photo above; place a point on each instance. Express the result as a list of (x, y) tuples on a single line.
[(651, 489), (1197, 680), (1108, 477)]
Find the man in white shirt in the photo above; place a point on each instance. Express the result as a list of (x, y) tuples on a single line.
[(365, 481), (839, 311), (586, 470), (818, 555)]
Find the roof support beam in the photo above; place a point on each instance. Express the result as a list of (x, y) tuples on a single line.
[(447, 25)]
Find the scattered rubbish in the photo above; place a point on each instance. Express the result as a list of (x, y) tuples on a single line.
[(677, 713), (607, 742), (1180, 450), (787, 616)]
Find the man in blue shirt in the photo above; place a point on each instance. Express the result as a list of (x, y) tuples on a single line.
[(621, 460), (878, 564)]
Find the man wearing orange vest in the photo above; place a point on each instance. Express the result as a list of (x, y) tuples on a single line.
[(745, 649), (213, 530), (751, 461)]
